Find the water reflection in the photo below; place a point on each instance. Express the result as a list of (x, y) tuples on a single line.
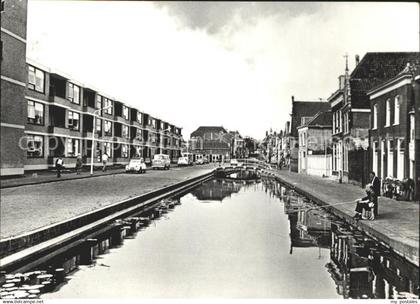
[(360, 267), (268, 241), (217, 190)]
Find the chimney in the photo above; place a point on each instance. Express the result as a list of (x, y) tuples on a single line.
[(293, 98), (357, 59)]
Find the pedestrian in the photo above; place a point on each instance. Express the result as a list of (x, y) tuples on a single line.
[(376, 186), (59, 164), (79, 164), (104, 161), (365, 204)]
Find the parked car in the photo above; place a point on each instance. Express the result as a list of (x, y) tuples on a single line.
[(161, 161), (199, 161), (183, 161), (136, 165)]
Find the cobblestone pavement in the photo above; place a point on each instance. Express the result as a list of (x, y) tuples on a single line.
[(29, 207), (397, 223)]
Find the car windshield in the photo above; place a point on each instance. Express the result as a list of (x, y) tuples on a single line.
[(136, 161)]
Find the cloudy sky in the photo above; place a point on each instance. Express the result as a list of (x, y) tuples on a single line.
[(215, 63)]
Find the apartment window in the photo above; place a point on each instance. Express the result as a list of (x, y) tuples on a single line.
[(124, 151), (35, 113), (388, 113), (397, 110), (98, 125), (138, 134), (107, 103), (107, 149), (98, 104), (74, 93), (125, 131), (375, 116), (125, 112), (73, 147), (108, 128), (73, 120), (35, 144), (36, 79)]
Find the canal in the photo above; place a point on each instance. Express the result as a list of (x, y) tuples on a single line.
[(235, 239)]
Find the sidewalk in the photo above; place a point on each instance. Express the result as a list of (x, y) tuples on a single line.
[(51, 176), (397, 224)]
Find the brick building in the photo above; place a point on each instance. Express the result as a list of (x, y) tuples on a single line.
[(351, 111), (394, 134), (13, 85), (60, 113), (302, 112), (315, 145), (211, 141)]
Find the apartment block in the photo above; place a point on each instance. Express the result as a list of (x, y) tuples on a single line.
[(13, 85), (63, 115)]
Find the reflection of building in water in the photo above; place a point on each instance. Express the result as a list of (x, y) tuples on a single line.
[(309, 228), (216, 189), (362, 268), (273, 187)]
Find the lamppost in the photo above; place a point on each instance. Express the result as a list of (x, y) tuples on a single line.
[(93, 136)]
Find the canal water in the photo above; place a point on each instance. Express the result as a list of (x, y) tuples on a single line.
[(234, 239)]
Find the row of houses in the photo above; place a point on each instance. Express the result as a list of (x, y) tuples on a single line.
[(46, 114), (370, 123), (218, 144)]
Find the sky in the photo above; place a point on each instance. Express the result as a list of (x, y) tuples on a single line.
[(230, 64)]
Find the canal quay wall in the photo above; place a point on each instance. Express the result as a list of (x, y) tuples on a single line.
[(397, 224), (19, 249)]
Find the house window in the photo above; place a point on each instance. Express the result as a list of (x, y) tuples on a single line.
[(388, 113), (98, 102), (35, 113), (125, 131), (125, 112), (35, 144), (124, 151), (98, 125), (108, 128), (74, 93), (36, 79), (108, 103), (375, 116), (139, 120), (73, 120), (107, 149), (397, 110), (72, 147)]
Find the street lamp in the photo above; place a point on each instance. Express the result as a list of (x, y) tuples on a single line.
[(93, 136)]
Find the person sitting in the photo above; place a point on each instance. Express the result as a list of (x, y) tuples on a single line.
[(366, 203)]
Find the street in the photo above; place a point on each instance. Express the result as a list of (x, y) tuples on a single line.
[(43, 204)]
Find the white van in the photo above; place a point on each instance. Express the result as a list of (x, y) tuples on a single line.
[(161, 161)]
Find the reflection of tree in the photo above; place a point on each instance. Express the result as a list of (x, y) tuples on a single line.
[(216, 189)]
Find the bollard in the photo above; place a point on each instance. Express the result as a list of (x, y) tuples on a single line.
[(59, 275)]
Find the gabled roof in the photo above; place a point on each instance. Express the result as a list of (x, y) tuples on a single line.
[(207, 129), (375, 68), (320, 120), (305, 109)]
